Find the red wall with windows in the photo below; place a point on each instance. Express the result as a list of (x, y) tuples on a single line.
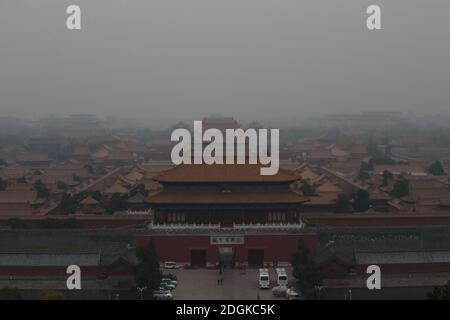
[(277, 248)]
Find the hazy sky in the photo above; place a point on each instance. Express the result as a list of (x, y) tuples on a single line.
[(164, 60)]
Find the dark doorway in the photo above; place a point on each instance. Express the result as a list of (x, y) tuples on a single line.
[(227, 257), (255, 258), (198, 258)]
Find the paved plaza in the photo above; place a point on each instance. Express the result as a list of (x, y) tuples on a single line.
[(201, 284)]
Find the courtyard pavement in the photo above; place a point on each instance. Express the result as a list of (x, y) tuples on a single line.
[(201, 284)]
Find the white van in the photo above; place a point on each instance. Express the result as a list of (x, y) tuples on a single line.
[(264, 279), (282, 278)]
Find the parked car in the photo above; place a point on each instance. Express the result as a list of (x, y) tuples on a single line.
[(279, 291), (162, 290), (170, 276), (166, 286), (171, 265), (167, 280), (292, 294), (162, 295)]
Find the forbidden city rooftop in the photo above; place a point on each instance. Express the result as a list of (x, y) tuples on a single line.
[(222, 173)]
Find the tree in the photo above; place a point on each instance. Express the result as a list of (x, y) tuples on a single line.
[(363, 175), (308, 189), (3, 184), (306, 271), (62, 186), (41, 190), (387, 176), (140, 188), (147, 273), (401, 188), (440, 292), (97, 195), (68, 204), (8, 293), (342, 204), (116, 203), (436, 169), (362, 201)]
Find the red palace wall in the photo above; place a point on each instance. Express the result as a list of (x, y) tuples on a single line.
[(277, 248), (334, 269)]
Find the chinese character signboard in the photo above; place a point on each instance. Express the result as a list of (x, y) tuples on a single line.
[(227, 239)]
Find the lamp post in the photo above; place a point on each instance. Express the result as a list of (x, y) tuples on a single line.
[(320, 288), (141, 291)]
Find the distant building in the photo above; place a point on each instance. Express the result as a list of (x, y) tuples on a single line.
[(44, 145), (19, 200), (33, 160), (220, 123)]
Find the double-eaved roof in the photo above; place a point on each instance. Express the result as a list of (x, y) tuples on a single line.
[(220, 197), (222, 173)]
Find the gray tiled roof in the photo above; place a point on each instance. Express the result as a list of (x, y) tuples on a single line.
[(48, 259), (406, 257)]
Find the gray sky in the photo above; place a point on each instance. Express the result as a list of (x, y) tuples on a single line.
[(164, 60)]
